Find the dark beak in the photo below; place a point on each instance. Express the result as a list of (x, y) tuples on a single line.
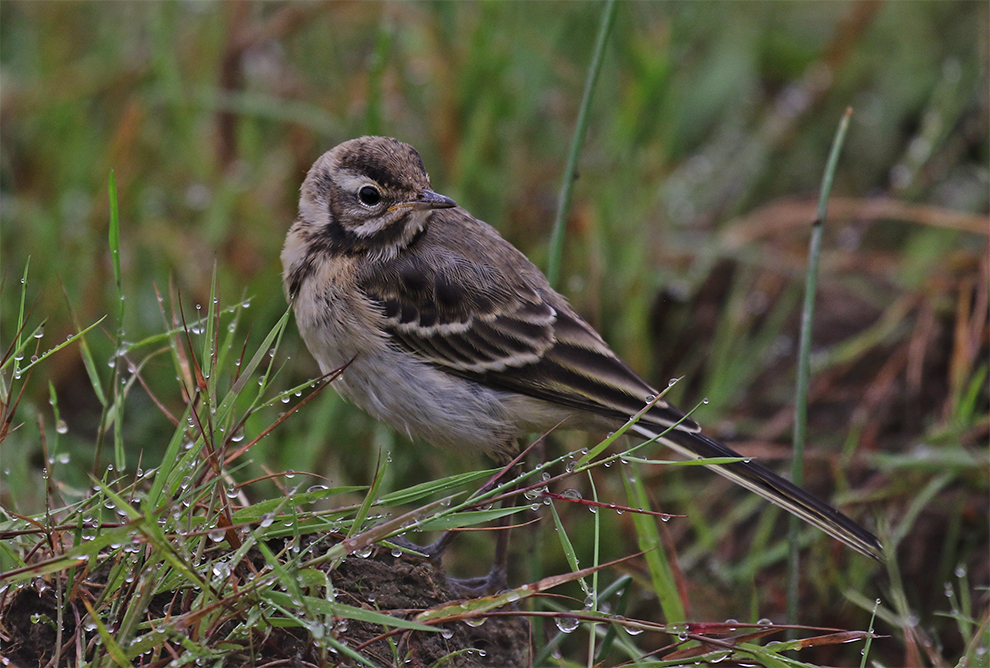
[(427, 199)]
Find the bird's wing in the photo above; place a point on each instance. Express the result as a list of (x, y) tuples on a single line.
[(503, 326)]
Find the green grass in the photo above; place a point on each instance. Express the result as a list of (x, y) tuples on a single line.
[(691, 129)]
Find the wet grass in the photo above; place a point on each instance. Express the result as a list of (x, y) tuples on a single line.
[(685, 245)]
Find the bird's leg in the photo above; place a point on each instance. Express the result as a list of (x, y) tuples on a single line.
[(496, 579)]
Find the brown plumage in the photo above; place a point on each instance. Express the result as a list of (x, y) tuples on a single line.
[(454, 336)]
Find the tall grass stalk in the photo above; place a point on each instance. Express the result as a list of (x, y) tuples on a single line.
[(577, 139), (804, 365)]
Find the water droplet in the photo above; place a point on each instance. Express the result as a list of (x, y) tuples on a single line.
[(705, 400), (571, 494), (365, 551), (633, 630), (317, 488), (764, 622), (475, 622), (650, 398), (61, 427), (567, 624), (267, 520)]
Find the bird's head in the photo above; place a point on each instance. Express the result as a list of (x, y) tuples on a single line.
[(368, 195)]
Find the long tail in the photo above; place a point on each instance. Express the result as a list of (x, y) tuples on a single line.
[(772, 487)]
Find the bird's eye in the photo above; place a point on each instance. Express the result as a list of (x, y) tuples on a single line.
[(369, 195)]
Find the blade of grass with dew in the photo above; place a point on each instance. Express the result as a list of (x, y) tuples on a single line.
[(425, 489), (256, 511), (369, 498), (273, 336), (466, 518), (136, 611), (664, 584), (172, 331), (804, 364), (228, 340), (289, 581), (267, 377), (323, 606), (567, 546), (115, 651), (704, 461), (20, 310), (577, 139), (17, 353), (51, 351), (622, 586), (210, 342), (18, 334), (477, 606), (172, 464), (117, 413), (396, 525), (597, 521), (153, 532), (869, 638), (57, 414), (611, 438)]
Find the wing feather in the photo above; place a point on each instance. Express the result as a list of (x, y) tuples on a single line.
[(502, 325)]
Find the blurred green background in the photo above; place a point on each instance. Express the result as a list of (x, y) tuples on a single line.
[(685, 243)]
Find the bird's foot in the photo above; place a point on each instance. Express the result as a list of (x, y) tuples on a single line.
[(486, 585), (434, 551)]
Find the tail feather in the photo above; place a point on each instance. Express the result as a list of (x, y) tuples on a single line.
[(772, 487)]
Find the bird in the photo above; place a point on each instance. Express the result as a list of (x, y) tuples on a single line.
[(448, 333)]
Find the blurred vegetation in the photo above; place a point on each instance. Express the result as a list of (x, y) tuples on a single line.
[(685, 244)]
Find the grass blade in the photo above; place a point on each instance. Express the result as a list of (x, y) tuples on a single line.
[(804, 363), (577, 139)]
